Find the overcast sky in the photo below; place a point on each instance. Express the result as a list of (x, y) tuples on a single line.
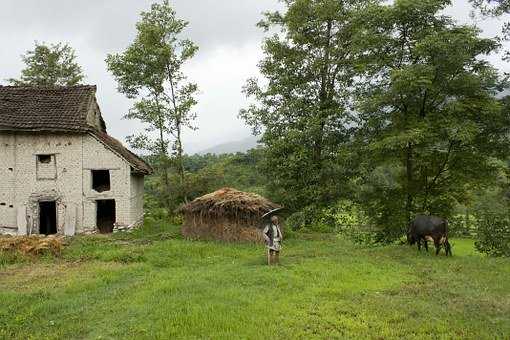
[(224, 30)]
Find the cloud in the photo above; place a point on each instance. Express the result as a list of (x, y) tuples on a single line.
[(224, 29)]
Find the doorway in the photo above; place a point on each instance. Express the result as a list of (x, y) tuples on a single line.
[(105, 215), (47, 218)]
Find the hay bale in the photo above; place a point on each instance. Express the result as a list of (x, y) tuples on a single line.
[(32, 245), (226, 214)]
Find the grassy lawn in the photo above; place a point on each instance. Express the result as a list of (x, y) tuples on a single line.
[(153, 285)]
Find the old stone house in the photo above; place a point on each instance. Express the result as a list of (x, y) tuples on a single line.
[(60, 172)]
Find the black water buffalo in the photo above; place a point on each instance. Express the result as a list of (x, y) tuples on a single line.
[(429, 228)]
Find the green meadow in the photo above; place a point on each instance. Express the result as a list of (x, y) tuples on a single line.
[(152, 284)]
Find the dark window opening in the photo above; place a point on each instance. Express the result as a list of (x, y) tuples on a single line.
[(105, 218), (47, 218), (46, 159), (11, 206), (10, 169), (101, 180), (2, 203)]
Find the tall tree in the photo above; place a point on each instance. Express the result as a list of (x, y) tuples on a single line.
[(150, 71), (50, 65), (303, 106), (428, 105)]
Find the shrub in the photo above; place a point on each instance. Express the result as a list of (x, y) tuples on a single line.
[(309, 218), (493, 234), (461, 225), (345, 217), (492, 212)]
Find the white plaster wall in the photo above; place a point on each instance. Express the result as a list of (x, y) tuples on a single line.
[(97, 156), (7, 182), (94, 116), (137, 191), (26, 187), (75, 157)]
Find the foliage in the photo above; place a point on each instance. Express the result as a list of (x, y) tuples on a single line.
[(302, 105), (345, 218), (308, 218), (380, 194), (391, 106), (325, 288), (150, 71), (496, 8), (207, 173), (50, 65), (493, 227), (427, 110), (492, 7), (462, 225), (493, 234)]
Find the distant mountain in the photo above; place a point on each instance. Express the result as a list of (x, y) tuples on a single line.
[(242, 145)]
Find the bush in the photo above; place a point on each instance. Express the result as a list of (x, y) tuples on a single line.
[(493, 234), (310, 218), (492, 212), (462, 225), (345, 217)]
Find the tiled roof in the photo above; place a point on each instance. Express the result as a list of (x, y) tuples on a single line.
[(30, 108), (138, 164), (58, 109)]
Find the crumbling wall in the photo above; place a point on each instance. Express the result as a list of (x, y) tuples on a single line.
[(136, 200), (97, 156), (64, 186), (7, 184), (33, 210), (75, 155)]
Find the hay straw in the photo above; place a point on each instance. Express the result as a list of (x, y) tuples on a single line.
[(32, 245), (229, 202), (226, 214), (222, 229)]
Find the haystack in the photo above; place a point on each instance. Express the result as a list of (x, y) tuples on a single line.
[(226, 214), (32, 245)]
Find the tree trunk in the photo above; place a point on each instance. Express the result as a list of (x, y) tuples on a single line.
[(181, 161), (178, 143), (164, 156), (409, 175), (323, 107)]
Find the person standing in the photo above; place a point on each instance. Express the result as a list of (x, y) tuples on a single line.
[(273, 237)]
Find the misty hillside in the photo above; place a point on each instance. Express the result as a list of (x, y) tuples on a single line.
[(242, 145)]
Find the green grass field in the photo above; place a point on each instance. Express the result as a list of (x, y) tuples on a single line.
[(154, 285)]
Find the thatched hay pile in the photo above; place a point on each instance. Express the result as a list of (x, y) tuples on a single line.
[(32, 245), (226, 214)]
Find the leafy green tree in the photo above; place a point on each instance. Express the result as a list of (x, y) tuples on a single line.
[(427, 105), (303, 106), (207, 173), (50, 65), (150, 70)]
